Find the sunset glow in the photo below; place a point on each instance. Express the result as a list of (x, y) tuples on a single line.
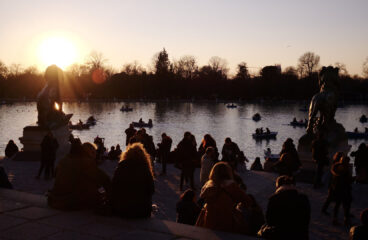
[(57, 50)]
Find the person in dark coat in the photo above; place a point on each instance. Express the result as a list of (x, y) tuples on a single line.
[(164, 149), (187, 154), (11, 149), (187, 209), (288, 211), (256, 165), (130, 132), (78, 182), (320, 156), (132, 184), (360, 232), (208, 141), (340, 190), (230, 152), (361, 163), (49, 146), (289, 161)]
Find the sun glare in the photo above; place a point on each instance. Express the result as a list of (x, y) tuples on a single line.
[(57, 50)]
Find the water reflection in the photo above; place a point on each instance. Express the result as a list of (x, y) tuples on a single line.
[(176, 118)]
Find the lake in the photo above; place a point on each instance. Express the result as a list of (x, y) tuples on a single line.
[(175, 118)]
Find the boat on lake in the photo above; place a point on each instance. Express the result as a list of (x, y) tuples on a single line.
[(265, 135), (256, 117)]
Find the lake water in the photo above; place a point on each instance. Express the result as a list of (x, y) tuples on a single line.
[(175, 118)]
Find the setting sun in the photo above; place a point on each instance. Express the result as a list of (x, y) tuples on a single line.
[(57, 50)]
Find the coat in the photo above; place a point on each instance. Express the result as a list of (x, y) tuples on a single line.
[(206, 166), (132, 190), (220, 202), (77, 184), (289, 212)]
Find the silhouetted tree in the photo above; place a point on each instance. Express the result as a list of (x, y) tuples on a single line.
[(186, 67), (290, 71), (95, 60), (3, 69), (242, 72), (365, 68), (133, 68), (342, 68), (218, 65), (308, 63), (162, 63)]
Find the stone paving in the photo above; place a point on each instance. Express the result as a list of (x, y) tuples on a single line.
[(167, 193)]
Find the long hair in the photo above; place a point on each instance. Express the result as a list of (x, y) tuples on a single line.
[(136, 152), (220, 173)]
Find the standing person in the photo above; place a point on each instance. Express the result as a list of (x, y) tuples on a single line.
[(132, 184), (361, 163), (11, 149), (187, 153), (221, 194), (256, 165), (207, 162), (230, 152), (320, 156), (340, 190), (49, 146), (208, 141), (164, 149), (288, 212), (130, 132), (187, 209)]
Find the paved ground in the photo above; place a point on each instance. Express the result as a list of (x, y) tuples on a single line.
[(260, 184)]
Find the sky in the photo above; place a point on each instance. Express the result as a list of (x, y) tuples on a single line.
[(258, 32)]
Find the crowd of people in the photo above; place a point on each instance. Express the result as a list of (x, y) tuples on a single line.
[(223, 202)]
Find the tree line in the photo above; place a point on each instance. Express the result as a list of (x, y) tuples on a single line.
[(181, 79)]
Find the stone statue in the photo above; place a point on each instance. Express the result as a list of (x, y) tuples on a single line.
[(324, 102), (49, 104)]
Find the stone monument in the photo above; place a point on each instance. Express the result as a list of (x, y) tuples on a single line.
[(322, 118), (50, 118)]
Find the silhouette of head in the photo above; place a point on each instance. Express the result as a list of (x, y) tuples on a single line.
[(227, 140), (220, 173), (137, 153), (284, 180), (53, 74), (188, 195)]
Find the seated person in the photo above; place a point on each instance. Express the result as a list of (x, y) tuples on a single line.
[(360, 232), (187, 209), (132, 184), (11, 149), (78, 180), (256, 165)]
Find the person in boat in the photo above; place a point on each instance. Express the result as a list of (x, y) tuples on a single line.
[(268, 131), (150, 122), (257, 131), (294, 120), (356, 130), (80, 122), (268, 152), (140, 121), (130, 132), (261, 130)]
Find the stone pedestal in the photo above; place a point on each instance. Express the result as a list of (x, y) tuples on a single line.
[(32, 138)]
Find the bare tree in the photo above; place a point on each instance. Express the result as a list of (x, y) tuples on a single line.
[(15, 69), (365, 68), (96, 60), (291, 71), (308, 63), (243, 72), (3, 69), (342, 68), (185, 67), (218, 64), (133, 68)]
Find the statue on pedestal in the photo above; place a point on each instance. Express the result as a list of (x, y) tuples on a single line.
[(324, 103), (49, 104)]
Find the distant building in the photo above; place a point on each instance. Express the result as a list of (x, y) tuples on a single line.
[(271, 71)]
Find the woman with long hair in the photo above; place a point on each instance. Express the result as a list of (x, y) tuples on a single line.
[(222, 195), (132, 184)]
